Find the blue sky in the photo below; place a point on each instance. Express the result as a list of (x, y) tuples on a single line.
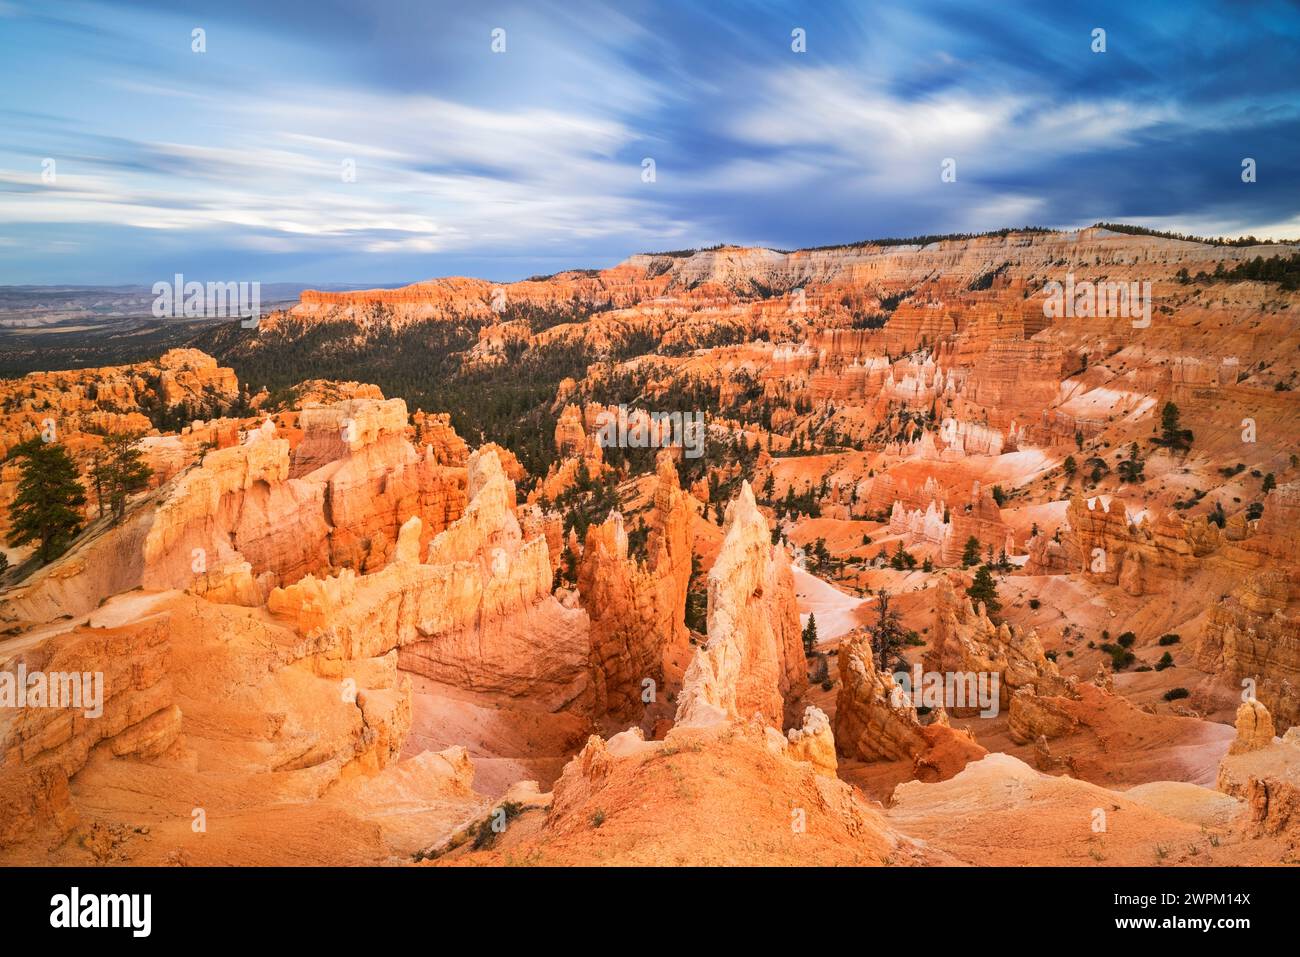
[(228, 164)]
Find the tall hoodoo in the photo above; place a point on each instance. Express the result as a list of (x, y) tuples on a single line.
[(754, 660), (637, 609)]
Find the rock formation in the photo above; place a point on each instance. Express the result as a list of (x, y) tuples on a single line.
[(876, 720), (967, 640), (1254, 728), (754, 659), (320, 608), (1254, 633), (256, 515), (638, 629), (813, 742), (477, 614)]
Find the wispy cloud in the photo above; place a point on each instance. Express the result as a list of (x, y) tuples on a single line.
[(466, 160)]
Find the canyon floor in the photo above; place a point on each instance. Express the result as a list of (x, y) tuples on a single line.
[(431, 576)]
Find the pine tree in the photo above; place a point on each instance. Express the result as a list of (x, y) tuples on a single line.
[(887, 635), (897, 562), (984, 589), (99, 477), (47, 508), (697, 598), (124, 472), (971, 553), (810, 635), (1131, 469), (1172, 435)]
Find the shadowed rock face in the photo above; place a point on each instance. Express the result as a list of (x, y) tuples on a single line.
[(637, 609), (478, 614)]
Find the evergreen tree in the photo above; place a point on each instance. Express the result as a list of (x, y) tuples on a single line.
[(810, 635), (47, 508), (1172, 435), (1131, 469), (897, 562), (697, 598), (984, 589), (568, 570), (124, 471), (971, 553), (98, 476), (887, 635)]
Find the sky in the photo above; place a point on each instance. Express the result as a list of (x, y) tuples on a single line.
[(340, 141)]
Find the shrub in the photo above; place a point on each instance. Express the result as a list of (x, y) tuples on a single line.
[(1120, 657), (485, 834), (1166, 661), (1173, 694), (1169, 639)]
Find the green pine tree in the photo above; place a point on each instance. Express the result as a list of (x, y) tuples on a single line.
[(1172, 435), (984, 589), (810, 635), (124, 471), (47, 508)]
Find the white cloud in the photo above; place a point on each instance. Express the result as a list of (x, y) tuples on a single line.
[(895, 144), (431, 175)]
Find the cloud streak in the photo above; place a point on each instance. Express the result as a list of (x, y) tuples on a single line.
[(505, 164)]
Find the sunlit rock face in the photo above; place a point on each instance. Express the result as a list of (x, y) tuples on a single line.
[(754, 659)]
